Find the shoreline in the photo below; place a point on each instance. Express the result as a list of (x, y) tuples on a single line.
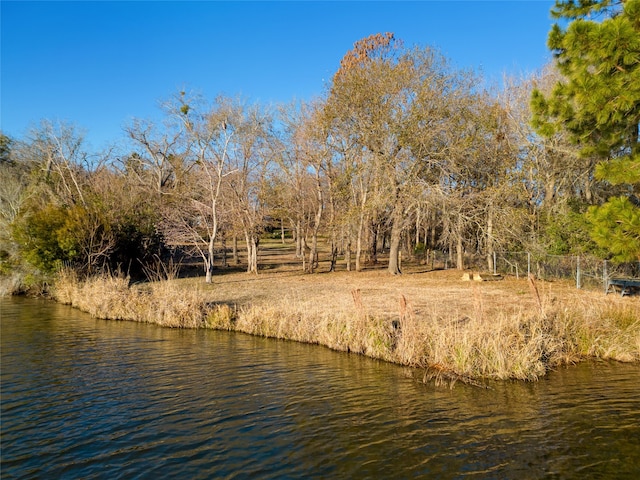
[(453, 330)]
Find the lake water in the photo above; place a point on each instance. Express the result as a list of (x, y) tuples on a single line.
[(86, 398)]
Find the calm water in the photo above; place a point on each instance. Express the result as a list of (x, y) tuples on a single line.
[(86, 398)]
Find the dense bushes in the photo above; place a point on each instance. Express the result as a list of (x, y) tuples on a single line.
[(104, 224)]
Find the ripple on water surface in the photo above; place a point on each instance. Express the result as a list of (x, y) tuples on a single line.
[(85, 398)]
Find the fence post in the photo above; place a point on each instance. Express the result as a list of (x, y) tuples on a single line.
[(605, 276), (578, 272), (495, 270)]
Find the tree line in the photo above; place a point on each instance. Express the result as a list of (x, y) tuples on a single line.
[(402, 153)]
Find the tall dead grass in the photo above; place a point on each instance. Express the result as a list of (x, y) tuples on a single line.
[(112, 297), (482, 337), (523, 343), (507, 347)]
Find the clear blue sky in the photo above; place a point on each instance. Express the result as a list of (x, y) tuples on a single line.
[(98, 64)]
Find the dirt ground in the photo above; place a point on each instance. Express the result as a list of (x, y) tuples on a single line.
[(427, 293)]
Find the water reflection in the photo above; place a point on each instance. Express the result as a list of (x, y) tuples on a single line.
[(85, 398)]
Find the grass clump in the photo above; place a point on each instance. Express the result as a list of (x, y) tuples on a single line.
[(220, 317), (451, 329), (605, 331), (113, 297)]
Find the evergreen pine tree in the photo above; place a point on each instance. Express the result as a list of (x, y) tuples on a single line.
[(598, 103)]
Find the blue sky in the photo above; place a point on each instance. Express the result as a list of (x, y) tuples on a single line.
[(99, 64)]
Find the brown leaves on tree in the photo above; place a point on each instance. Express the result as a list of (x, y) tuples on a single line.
[(364, 50)]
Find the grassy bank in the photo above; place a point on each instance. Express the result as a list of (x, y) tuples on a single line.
[(512, 329)]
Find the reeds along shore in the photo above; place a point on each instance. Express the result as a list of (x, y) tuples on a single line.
[(486, 338)]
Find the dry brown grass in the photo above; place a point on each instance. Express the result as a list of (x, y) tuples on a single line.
[(112, 297), (431, 319)]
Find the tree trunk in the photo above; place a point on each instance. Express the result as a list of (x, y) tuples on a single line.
[(394, 249), (299, 241), (359, 250), (490, 248), (418, 226), (236, 258), (254, 257), (208, 264), (361, 224), (253, 242), (394, 240), (247, 247), (252, 251), (432, 240), (313, 253), (549, 192), (334, 257), (224, 250), (408, 247), (304, 255), (374, 243), (459, 246)]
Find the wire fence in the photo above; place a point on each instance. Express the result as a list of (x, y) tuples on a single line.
[(585, 271)]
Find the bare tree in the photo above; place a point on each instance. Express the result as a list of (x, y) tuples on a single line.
[(300, 175), (402, 107), (249, 160), (550, 173), (154, 163), (57, 149), (194, 217)]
